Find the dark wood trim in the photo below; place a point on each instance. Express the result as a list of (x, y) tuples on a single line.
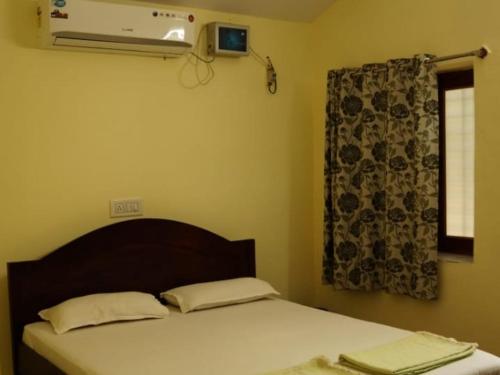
[(145, 255), (450, 81), (32, 363), (459, 79)]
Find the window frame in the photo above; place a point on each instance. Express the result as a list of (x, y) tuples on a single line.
[(450, 81)]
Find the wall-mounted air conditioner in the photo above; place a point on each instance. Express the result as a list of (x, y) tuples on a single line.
[(112, 27)]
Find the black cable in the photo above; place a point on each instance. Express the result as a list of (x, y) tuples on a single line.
[(202, 59), (258, 57), (272, 78), (273, 87)]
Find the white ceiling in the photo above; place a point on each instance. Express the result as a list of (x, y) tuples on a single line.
[(290, 10)]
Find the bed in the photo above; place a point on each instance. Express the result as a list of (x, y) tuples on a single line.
[(152, 255)]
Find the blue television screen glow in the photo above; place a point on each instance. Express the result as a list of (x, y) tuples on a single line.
[(232, 39)]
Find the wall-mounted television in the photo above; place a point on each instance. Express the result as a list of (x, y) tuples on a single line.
[(227, 40)]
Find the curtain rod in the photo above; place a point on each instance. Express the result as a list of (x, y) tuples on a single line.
[(481, 53)]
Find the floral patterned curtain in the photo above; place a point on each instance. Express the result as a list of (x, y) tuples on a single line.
[(381, 178)]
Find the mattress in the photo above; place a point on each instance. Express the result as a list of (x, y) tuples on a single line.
[(246, 339)]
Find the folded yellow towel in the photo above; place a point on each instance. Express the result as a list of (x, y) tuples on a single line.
[(316, 366), (414, 354)]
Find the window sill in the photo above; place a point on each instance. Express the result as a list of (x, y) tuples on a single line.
[(454, 258)]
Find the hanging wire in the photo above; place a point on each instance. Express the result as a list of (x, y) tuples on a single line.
[(258, 57), (196, 60), (272, 78), (206, 61)]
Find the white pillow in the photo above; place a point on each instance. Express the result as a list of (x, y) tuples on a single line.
[(218, 293), (102, 308)]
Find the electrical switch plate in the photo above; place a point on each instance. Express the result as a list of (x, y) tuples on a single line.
[(126, 207)]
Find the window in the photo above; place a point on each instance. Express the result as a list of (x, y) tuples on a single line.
[(456, 186)]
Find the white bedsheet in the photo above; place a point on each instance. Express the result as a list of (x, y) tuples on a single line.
[(245, 339)]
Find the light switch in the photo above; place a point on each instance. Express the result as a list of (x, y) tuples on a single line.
[(126, 207)]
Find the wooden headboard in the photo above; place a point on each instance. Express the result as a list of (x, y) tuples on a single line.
[(147, 255)]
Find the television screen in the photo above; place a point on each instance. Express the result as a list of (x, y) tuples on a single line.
[(233, 39)]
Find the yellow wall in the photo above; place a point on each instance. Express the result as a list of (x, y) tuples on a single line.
[(355, 32), (79, 129)]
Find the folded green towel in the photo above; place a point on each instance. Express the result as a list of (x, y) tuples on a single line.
[(414, 354), (316, 366)]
